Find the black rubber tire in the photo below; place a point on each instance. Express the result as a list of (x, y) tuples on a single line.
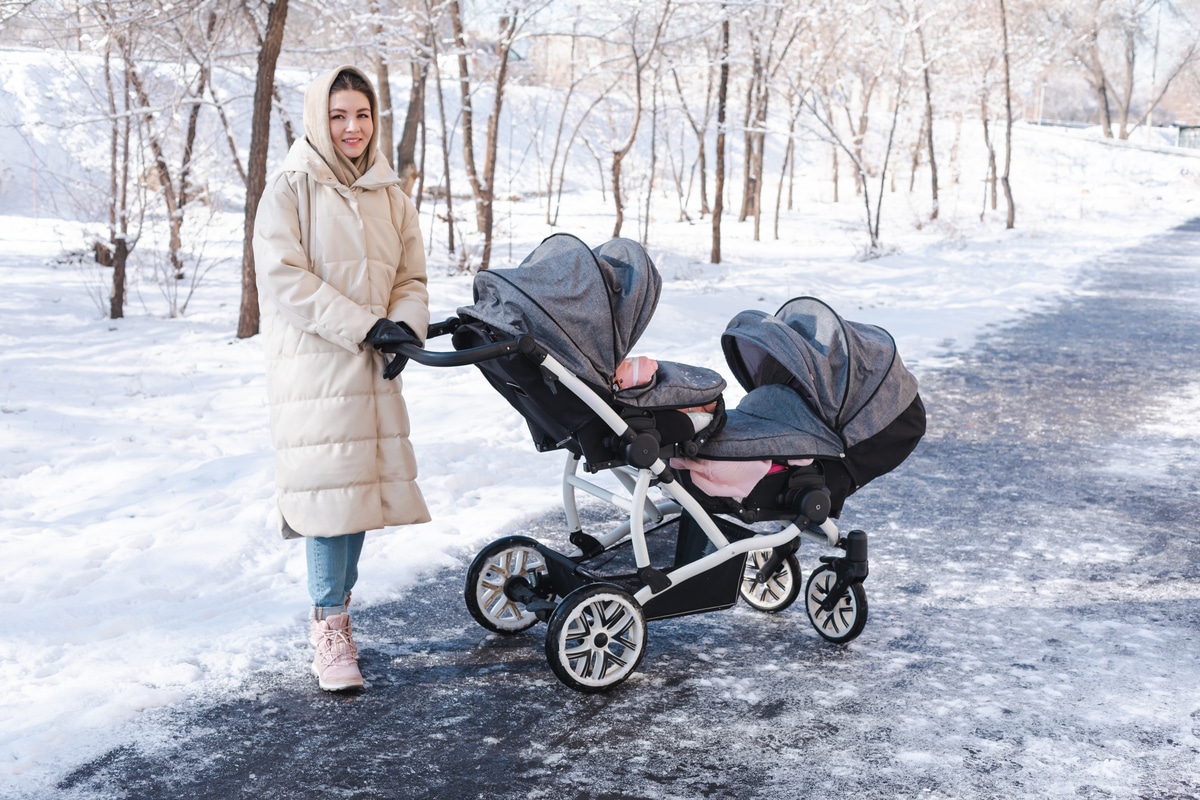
[(847, 619), (596, 637), (490, 569), (780, 590)]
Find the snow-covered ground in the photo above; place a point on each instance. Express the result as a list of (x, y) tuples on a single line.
[(141, 563)]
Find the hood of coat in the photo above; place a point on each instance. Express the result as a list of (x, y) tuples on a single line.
[(316, 128)]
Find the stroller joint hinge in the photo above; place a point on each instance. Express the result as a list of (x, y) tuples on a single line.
[(588, 545), (776, 558), (653, 578)]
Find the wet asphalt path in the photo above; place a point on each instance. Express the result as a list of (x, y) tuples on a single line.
[(1034, 623)]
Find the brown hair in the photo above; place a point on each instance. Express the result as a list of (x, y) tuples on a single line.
[(352, 81)]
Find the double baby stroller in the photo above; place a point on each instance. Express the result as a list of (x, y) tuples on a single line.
[(828, 407)]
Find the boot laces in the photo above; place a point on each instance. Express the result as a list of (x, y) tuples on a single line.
[(338, 643)]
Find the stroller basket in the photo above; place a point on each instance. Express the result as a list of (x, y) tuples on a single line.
[(550, 336)]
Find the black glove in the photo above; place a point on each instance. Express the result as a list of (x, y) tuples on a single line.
[(386, 336)]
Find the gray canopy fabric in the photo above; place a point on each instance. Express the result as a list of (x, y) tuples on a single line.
[(848, 374), (587, 306)]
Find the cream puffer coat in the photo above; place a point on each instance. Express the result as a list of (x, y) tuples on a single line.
[(331, 260)]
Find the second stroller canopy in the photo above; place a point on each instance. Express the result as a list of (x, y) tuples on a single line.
[(849, 373), (588, 307)]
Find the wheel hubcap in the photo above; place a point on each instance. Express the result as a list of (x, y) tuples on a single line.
[(838, 619), (769, 592), (490, 592), (601, 641)]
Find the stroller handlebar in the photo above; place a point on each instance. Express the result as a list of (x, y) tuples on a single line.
[(474, 355)]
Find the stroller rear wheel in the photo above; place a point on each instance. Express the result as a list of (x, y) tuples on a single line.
[(510, 557), (848, 616), (779, 591), (596, 637)]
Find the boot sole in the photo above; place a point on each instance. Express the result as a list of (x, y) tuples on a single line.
[(336, 687)]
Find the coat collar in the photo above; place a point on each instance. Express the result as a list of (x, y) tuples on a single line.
[(303, 157)]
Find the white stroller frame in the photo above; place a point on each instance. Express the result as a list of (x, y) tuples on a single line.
[(596, 627), (636, 482)]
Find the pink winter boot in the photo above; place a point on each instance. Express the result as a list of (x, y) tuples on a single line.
[(314, 624), (336, 663)]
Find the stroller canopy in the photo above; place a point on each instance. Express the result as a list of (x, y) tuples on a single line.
[(588, 307), (849, 374)]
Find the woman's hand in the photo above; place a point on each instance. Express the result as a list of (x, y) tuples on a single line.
[(386, 336)]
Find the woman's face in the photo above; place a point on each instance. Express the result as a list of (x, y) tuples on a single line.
[(350, 121)]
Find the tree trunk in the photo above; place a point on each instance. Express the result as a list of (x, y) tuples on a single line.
[(783, 172), (118, 191), (722, 98), (916, 158), (933, 176), (749, 177), (1008, 123), (383, 88), (989, 181), (508, 32), (619, 153), (414, 118), (160, 163), (229, 140), (256, 172), (699, 131), (468, 114), (289, 134), (645, 237), (835, 174), (1127, 94), (437, 84)]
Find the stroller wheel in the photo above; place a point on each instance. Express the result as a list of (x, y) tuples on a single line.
[(512, 556), (779, 591), (848, 616), (596, 637)]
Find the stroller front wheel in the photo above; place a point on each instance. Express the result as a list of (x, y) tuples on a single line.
[(848, 616), (495, 564), (779, 591), (596, 637)]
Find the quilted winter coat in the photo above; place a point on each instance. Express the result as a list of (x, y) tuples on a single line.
[(331, 259)]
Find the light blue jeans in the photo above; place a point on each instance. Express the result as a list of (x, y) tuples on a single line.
[(332, 571)]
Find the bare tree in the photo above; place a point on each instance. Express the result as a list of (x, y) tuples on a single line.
[(115, 254), (422, 58), (640, 55), (1108, 40), (432, 20), (467, 114), (828, 101), (1008, 120), (11, 8), (576, 82), (722, 100), (256, 172), (699, 125), (772, 32), (927, 125), (508, 34)]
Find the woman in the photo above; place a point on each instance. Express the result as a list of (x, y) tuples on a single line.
[(341, 283)]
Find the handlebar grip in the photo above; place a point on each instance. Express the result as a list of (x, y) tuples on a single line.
[(458, 358)]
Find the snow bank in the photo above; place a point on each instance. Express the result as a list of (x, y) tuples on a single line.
[(142, 565)]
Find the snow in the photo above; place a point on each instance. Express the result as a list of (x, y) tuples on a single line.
[(141, 560)]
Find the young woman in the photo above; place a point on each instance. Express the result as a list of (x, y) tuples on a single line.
[(341, 282)]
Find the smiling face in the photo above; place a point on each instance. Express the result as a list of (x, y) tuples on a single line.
[(350, 122)]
